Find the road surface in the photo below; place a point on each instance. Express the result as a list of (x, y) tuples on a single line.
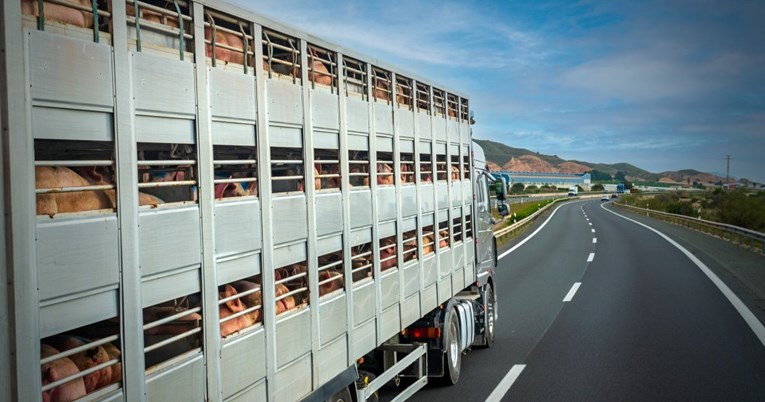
[(593, 306)]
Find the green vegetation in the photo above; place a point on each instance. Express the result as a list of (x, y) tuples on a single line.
[(739, 208), (599, 175), (517, 188), (521, 211)]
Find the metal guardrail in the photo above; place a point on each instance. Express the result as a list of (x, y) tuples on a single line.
[(737, 235), (517, 225)]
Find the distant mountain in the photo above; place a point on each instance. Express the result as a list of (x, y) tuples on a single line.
[(503, 157)]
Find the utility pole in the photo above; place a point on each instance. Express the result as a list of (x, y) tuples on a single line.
[(727, 169)]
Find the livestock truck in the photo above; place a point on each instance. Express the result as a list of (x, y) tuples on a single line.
[(201, 203)]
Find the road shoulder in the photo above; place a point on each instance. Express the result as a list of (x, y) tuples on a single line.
[(743, 271)]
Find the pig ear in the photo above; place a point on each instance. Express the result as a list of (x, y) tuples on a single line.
[(235, 305), (90, 172)]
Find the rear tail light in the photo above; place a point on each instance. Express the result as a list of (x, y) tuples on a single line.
[(424, 333)]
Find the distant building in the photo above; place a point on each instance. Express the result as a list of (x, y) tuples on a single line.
[(539, 179)]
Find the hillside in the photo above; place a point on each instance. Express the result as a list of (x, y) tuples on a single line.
[(524, 160)]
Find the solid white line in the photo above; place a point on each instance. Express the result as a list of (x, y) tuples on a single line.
[(531, 235), (594, 239), (572, 292), (757, 327), (506, 383), (591, 257)]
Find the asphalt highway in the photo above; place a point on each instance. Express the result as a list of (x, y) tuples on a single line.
[(597, 306)]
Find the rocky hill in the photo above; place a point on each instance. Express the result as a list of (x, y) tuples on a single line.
[(503, 157)]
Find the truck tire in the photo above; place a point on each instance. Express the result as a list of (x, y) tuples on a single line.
[(452, 354), (344, 395), (489, 317)]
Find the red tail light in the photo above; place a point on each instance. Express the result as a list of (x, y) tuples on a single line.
[(424, 333)]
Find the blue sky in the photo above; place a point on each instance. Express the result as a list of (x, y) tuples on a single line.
[(663, 85)]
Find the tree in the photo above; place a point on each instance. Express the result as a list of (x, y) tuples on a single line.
[(621, 176), (599, 175), (517, 187), (597, 187)]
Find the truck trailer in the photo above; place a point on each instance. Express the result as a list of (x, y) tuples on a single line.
[(228, 208)]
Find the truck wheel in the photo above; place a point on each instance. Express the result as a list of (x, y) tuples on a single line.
[(452, 355), (344, 395), (489, 317)]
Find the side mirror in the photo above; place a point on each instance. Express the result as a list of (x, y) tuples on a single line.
[(503, 209), (500, 188)]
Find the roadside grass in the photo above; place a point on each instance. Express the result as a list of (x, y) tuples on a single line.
[(517, 213)]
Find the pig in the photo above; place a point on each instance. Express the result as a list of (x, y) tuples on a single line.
[(251, 300), (57, 370), (284, 304), (455, 172), (230, 308), (94, 177), (153, 16), (443, 238), (59, 176), (222, 53), (225, 190), (334, 281), (380, 90), (84, 360), (410, 248), (387, 253), (320, 73), (384, 174), (427, 244), (61, 13), (114, 353), (316, 173)]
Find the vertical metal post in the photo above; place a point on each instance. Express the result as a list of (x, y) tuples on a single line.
[(133, 364), (264, 174), (310, 194), (41, 15), (373, 192), (182, 34), (210, 316), (95, 22), (346, 191), (19, 200)]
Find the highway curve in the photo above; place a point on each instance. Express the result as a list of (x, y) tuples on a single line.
[(594, 306)]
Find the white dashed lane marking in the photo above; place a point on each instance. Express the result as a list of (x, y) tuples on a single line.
[(591, 257), (572, 292)]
